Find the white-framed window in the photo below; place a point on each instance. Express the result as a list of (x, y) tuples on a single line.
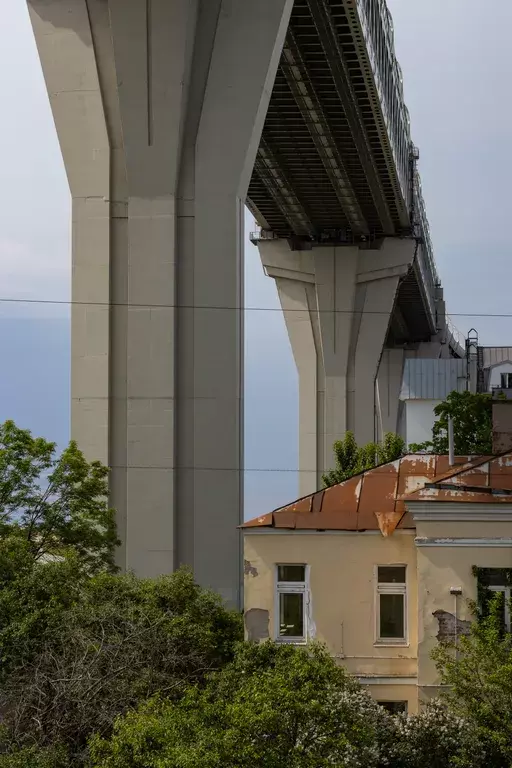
[(291, 603), (391, 604), (506, 380)]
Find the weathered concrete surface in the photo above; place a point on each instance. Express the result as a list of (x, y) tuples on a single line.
[(256, 625), (450, 627)]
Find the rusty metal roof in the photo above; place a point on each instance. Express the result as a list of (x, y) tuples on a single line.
[(376, 499), (487, 481)]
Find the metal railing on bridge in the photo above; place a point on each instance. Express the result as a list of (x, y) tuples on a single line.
[(421, 230), (377, 26)]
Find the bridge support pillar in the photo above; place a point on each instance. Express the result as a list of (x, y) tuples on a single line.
[(337, 304), (159, 107), (387, 392)]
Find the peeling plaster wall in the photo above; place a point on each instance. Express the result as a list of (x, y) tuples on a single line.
[(342, 590), (256, 624), (450, 627), (440, 568), (249, 569)]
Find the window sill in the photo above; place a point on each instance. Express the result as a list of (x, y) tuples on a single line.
[(391, 644), (291, 641)]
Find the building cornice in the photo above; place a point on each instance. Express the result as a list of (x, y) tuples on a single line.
[(425, 541), (460, 512), (313, 532)]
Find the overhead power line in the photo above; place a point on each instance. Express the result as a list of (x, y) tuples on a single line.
[(136, 305)]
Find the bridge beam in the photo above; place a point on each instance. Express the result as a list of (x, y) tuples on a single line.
[(337, 304), (159, 107), (304, 93), (273, 176), (322, 17)]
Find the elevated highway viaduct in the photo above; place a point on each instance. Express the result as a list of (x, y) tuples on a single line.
[(171, 114)]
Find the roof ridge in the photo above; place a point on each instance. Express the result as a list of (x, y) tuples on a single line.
[(461, 468)]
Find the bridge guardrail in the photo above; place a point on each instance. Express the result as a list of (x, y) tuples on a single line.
[(457, 335), (377, 27)]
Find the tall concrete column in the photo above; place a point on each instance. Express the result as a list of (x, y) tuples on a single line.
[(159, 107), (337, 304), (387, 391)]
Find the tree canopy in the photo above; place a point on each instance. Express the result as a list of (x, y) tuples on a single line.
[(79, 651), (79, 643), (477, 671), (283, 707), (54, 503), (472, 425), (102, 670), (351, 459)]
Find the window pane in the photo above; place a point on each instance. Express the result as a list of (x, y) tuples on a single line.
[(494, 577), (291, 614), (394, 707), (392, 616), (391, 574), (503, 377), (291, 572)]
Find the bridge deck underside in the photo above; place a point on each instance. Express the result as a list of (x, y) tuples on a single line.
[(291, 191), (287, 134)]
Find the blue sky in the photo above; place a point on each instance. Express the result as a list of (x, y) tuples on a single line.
[(457, 69)]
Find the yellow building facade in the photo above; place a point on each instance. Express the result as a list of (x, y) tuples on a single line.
[(383, 566)]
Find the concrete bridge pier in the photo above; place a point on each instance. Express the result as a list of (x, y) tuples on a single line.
[(337, 303), (159, 107)]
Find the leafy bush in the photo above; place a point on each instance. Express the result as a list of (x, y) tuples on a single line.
[(351, 459), (78, 664)]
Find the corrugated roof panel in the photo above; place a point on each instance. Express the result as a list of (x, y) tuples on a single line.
[(496, 355), (425, 379)]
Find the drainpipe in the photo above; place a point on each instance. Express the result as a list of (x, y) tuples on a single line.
[(456, 591), (451, 448)]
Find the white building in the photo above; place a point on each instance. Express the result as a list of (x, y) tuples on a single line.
[(426, 383), (495, 365)]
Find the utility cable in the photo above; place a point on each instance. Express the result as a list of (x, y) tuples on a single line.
[(135, 305)]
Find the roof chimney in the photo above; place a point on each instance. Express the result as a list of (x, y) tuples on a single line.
[(501, 425)]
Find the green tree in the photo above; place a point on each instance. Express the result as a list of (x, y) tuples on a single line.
[(274, 707), (478, 673), (35, 757), (351, 459), (87, 649), (436, 738), (472, 425), (54, 503), (284, 707)]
